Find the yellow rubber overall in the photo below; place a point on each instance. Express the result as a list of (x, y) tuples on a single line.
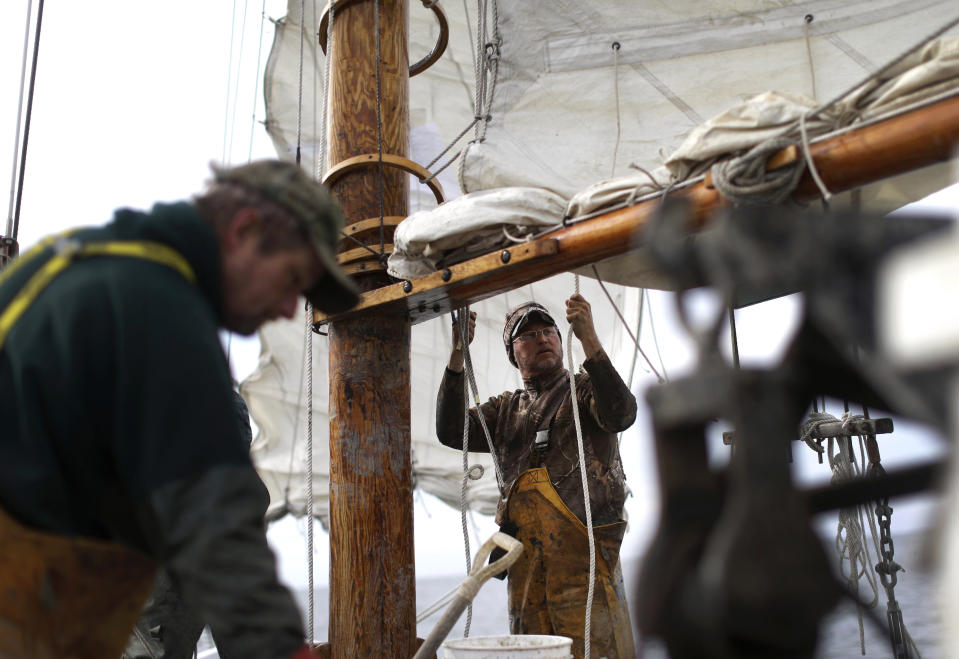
[(548, 584), (66, 597)]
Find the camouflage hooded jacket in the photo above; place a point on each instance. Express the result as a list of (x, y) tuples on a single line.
[(606, 407)]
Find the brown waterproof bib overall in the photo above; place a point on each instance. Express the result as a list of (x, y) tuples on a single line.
[(548, 584), (63, 597)]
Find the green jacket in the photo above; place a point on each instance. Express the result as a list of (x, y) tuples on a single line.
[(119, 424)]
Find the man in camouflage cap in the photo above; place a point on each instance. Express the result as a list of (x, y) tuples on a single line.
[(122, 452), (536, 449), (317, 212)]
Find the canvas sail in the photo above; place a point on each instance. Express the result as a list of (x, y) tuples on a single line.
[(568, 94)]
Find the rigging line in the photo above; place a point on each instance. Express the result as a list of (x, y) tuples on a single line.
[(299, 85), (807, 19), (16, 138), (652, 329), (464, 339), (437, 605), (734, 337), (364, 246), (493, 67), (451, 145), (229, 84), (574, 403), (379, 124), (440, 170), (886, 67), (309, 457), (239, 68), (616, 47), (259, 54), (639, 333), (316, 80), (469, 33), (321, 161), (471, 379), (26, 127), (625, 324), (480, 81), (810, 164), (296, 417)]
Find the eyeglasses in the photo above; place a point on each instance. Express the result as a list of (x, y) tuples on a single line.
[(547, 332)]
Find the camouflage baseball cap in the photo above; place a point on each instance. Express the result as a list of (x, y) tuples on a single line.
[(317, 211), (517, 317)]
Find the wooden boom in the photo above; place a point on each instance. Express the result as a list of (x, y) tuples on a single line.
[(894, 146)]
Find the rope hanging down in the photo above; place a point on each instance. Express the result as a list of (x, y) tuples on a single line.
[(855, 560), (582, 474), (475, 472)]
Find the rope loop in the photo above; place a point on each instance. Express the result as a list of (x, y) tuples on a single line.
[(811, 425), (476, 472)]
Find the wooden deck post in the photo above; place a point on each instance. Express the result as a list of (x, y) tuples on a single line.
[(372, 578)]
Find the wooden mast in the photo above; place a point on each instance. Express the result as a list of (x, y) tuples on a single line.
[(372, 580)]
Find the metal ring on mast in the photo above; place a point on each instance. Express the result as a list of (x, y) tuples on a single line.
[(417, 67), (370, 159)]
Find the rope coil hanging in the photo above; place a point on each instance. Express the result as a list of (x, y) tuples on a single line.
[(747, 179)]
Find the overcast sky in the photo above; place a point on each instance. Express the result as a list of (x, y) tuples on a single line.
[(130, 107)]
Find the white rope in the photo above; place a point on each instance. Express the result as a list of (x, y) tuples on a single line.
[(471, 379), (854, 559), (625, 324), (582, 475), (812, 68), (810, 165), (616, 46), (745, 180), (463, 321), (309, 458), (321, 161), (437, 605)]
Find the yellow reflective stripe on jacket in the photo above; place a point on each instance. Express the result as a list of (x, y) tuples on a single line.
[(150, 251), (14, 265), (68, 251)]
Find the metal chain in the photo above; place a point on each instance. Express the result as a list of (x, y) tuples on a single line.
[(887, 569)]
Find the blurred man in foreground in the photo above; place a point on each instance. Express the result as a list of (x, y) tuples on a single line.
[(121, 451)]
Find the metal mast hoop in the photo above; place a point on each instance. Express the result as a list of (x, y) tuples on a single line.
[(417, 67)]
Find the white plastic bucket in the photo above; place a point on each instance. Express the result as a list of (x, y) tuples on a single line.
[(509, 647)]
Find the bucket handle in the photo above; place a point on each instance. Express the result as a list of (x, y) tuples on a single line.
[(479, 575)]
